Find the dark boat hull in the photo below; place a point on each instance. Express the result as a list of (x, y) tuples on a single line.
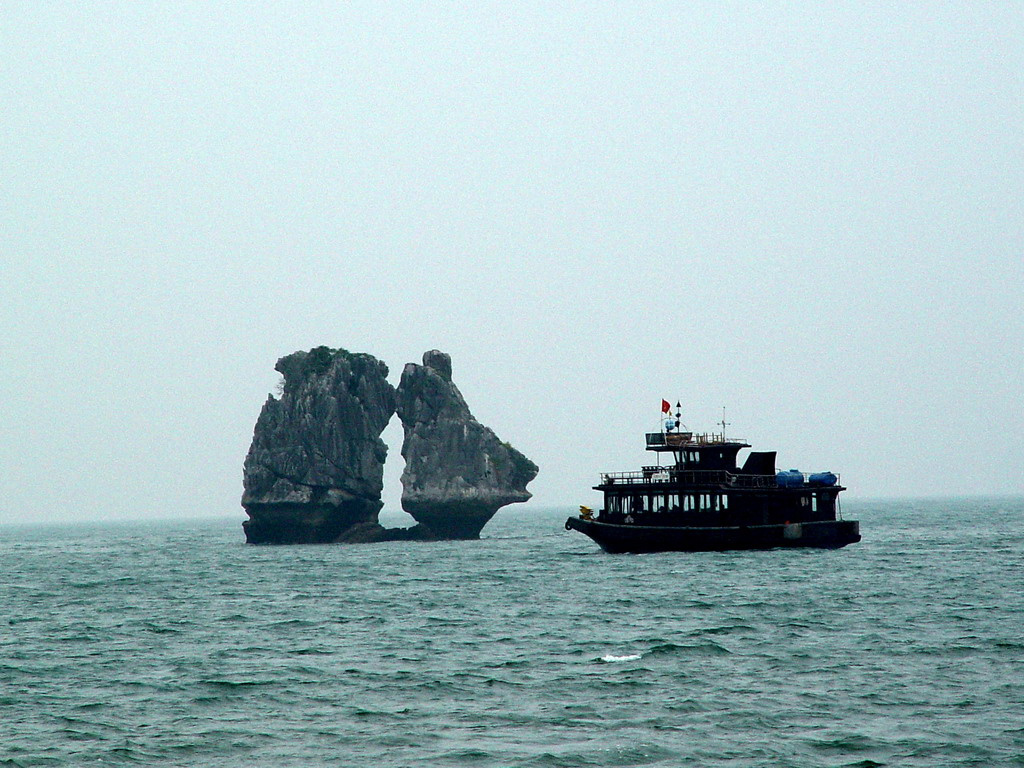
[(826, 534)]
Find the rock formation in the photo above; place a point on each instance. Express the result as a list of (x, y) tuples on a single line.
[(314, 472), (457, 473)]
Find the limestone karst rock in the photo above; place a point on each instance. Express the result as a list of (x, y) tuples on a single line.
[(457, 472), (314, 472)]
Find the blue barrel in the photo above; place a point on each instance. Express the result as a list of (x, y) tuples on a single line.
[(792, 478), (822, 479)]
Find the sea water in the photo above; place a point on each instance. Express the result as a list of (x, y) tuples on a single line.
[(177, 644)]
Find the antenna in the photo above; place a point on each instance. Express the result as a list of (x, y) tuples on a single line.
[(724, 423)]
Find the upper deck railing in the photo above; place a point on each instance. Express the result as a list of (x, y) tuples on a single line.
[(688, 439), (705, 477)]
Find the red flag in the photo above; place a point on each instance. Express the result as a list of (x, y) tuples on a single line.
[(666, 406)]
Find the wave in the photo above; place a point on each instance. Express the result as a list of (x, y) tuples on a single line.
[(705, 648), (610, 658), (846, 743), (232, 684), (292, 623), (719, 630), (1008, 645), (159, 629)]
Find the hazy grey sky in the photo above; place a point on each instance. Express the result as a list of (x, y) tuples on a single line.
[(812, 214)]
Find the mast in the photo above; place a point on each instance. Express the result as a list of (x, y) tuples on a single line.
[(724, 423), (678, 453)]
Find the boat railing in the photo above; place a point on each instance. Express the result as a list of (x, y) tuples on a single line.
[(668, 475), (659, 475), (684, 439), (714, 438), (752, 481)]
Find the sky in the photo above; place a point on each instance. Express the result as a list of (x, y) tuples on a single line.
[(810, 214)]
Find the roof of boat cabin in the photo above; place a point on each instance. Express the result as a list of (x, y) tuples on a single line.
[(688, 441)]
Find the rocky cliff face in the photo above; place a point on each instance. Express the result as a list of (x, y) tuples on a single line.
[(314, 472), (457, 472)]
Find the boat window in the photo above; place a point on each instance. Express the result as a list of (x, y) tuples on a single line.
[(725, 502), (814, 503)]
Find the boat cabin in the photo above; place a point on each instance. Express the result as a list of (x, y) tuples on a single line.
[(705, 486), (707, 451)]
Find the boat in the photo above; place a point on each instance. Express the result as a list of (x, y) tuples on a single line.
[(702, 500)]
